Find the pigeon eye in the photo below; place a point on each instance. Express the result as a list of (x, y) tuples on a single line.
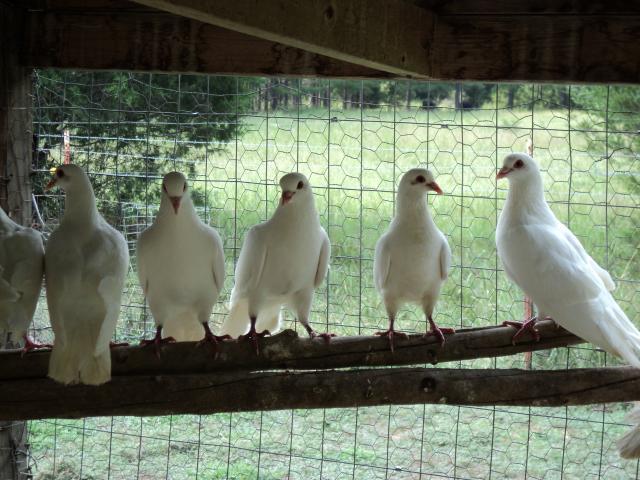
[(59, 173), (420, 179), (300, 184), (519, 164)]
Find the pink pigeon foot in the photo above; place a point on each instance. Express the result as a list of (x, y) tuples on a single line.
[(157, 341), (438, 332), (209, 337), (30, 345), (529, 325), (390, 333), (253, 335), (325, 336)]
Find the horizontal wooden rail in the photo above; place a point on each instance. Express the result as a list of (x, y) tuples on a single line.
[(287, 351), (247, 391)]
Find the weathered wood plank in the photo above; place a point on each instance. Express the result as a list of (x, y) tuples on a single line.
[(389, 35), (160, 42), (242, 391), (530, 7), (575, 49), (287, 351)]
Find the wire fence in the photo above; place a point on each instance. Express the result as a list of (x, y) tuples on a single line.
[(234, 138)]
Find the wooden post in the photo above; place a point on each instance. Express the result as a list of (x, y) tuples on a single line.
[(15, 190)]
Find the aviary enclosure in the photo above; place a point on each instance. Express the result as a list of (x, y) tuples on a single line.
[(234, 137)]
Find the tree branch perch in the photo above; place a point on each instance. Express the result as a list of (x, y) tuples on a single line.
[(245, 391), (287, 351)]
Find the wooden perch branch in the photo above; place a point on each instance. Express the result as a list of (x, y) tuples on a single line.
[(244, 391), (287, 351)]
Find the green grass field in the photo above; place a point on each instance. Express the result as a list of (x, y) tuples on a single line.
[(354, 163)]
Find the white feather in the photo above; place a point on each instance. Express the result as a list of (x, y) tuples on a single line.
[(551, 266), (180, 266), (281, 262), (21, 269), (86, 262)]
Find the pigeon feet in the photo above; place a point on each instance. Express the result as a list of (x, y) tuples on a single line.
[(212, 339), (390, 333), (157, 341), (254, 336), (438, 332), (325, 336), (529, 325), (30, 345)]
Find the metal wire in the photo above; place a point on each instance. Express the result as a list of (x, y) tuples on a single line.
[(129, 129)]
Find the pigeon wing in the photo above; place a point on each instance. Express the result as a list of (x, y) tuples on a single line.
[(381, 263), (250, 264), (445, 258), (323, 260)]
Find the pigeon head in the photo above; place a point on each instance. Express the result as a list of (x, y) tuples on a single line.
[(295, 188), (69, 177), (174, 187), (518, 167), (418, 181)]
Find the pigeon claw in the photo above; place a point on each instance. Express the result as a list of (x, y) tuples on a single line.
[(213, 340), (438, 332), (529, 325), (254, 336), (325, 336), (390, 333), (30, 345), (157, 341)]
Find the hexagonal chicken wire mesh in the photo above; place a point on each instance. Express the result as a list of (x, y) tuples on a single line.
[(233, 138)]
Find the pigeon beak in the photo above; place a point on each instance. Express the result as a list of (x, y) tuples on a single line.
[(175, 202), (435, 187), (503, 172), (287, 196)]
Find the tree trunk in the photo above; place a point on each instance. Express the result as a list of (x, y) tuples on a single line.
[(511, 94)]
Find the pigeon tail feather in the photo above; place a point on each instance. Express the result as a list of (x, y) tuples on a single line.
[(629, 444), (96, 370), (63, 365), (237, 322), (184, 328)]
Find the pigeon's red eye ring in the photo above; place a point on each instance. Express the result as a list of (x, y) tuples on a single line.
[(300, 184), (59, 173), (420, 179), (519, 164)]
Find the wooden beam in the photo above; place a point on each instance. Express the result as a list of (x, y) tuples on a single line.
[(530, 7), (389, 35), (243, 391), (287, 351), (559, 48), (160, 42)]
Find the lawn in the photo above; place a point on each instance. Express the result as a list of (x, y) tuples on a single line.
[(354, 159)]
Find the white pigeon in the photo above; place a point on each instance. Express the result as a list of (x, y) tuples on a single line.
[(180, 266), (282, 261), (412, 257), (550, 265), (21, 269), (86, 261)]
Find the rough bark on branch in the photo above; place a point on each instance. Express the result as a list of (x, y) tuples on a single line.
[(245, 391), (287, 351)]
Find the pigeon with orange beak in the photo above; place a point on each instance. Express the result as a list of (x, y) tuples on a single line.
[(180, 267), (412, 258), (86, 261), (282, 262)]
